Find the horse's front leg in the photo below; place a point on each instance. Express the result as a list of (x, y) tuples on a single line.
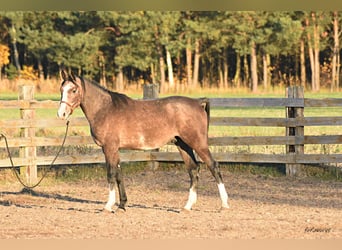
[(114, 176)]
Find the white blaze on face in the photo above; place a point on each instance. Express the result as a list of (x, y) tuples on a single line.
[(63, 110)]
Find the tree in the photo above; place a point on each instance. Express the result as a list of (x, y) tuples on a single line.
[(249, 34), (201, 33), (75, 43), (315, 29), (15, 21), (335, 79), (134, 48), (245, 39), (282, 33), (224, 45), (37, 34), (165, 26), (4, 56), (211, 48)]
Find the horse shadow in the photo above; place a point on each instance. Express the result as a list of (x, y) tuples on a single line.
[(33, 193)]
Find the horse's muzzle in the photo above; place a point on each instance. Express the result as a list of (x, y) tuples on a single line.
[(64, 111)]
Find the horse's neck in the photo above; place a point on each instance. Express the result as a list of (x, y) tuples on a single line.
[(93, 100)]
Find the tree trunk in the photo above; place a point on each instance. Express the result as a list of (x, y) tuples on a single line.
[(40, 69), (119, 80), (220, 73), (162, 72), (316, 53), (179, 69), (311, 56), (170, 69), (103, 81), (302, 63), (312, 66), (335, 66), (189, 62), (15, 50), (269, 73), (196, 64), (153, 75), (246, 72), (338, 72), (225, 68), (254, 68), (266, 73), (161, 58), (237, 78)]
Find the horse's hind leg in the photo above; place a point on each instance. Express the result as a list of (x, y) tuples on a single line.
[(213, 166), (193, 170)]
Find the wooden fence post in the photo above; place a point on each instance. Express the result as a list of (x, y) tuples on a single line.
[(293, 169), (151, 91), (26, 93)]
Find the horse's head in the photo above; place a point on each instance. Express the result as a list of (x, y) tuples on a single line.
[(71, 94)]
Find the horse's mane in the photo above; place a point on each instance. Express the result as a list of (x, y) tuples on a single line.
[(117, 98)]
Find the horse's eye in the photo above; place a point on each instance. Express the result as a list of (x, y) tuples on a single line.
[(74, 91)]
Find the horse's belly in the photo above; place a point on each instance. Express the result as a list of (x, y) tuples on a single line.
[(143, 142)]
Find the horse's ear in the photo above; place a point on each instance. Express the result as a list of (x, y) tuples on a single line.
[(64, 75), (72, 77), (77, 80)]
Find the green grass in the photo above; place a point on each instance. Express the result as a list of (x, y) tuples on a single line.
[(38, 96)]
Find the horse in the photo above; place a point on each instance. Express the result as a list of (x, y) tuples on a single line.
[(120, 122)]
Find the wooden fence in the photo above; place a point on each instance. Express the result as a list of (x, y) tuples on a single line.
[(293, 139)]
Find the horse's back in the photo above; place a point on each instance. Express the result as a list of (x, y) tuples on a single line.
[(188, 114)]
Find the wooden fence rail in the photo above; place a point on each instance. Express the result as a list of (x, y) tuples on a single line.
[(292, 158)]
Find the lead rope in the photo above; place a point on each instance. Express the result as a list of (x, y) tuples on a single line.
[(45, 173)]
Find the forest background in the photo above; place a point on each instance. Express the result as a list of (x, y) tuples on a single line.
[(180, 50)]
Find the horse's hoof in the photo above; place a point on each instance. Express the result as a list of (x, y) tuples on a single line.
[(121, 210), (186, 210), (108, 210), (224, 207)]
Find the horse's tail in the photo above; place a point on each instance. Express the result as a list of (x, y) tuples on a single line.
[(205, 103)]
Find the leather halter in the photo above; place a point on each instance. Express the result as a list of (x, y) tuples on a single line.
[(72, 107), (77, 103)]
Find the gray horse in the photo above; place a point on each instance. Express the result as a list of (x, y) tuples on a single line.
[(119, 122)]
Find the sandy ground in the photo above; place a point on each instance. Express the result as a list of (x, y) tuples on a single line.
[(261, 208)]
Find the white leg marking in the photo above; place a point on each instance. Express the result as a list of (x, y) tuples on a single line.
[(111, 198), (223, 195), (192, 199)]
